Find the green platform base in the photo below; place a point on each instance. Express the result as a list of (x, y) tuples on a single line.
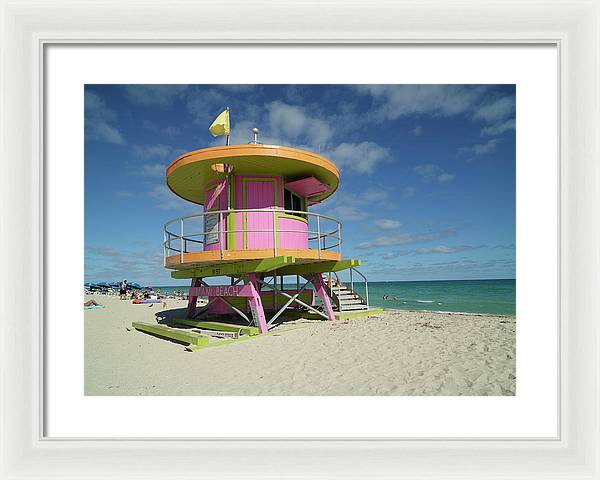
[(338, 315), (193, 348), (183, 336), (223, 327)]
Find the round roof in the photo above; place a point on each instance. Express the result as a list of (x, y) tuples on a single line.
[(188, 174)]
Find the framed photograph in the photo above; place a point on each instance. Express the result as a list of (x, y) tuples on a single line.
[(307, 246)]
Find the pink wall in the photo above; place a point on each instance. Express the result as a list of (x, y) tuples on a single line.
[(259, 191), (292, 239), (259, 194)]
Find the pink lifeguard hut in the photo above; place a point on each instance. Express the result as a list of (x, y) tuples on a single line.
[(256, 229)]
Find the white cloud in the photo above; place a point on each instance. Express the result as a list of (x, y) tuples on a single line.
[(510, 246), (392, 255), (417, 131), (154, 95), (237, 87), (474, 101), (445, 177), (499, 109), (107, 263), (352, 206), (154, 170), (499, 128), (164, 153), (450, 268), (204, 105), (406, 238), (361, 157), (430, 172), (171, 131), (387, 224), (158, 151), (408, 192), (372, 196), (125, 194), (152, 151), (442, 249), (288, 119), (167, 200), (293, 122), (108, 133), (480, 149), (100, 121), (346, 212), (241, 134), (395, 101)]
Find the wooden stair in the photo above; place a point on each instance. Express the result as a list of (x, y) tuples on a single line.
[(347, 300)]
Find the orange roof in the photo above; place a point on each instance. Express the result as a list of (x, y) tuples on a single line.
[(188, 174)]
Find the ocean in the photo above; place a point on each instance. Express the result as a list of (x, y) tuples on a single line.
[(473, 296)]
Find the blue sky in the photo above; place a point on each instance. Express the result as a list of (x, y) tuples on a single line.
[(427, 186)]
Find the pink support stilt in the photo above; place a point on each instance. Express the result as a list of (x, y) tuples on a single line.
[(255, 303), (192, 299), (319, 285)]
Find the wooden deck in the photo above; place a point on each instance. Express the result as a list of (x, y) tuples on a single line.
[(196, 259), (236, 262)]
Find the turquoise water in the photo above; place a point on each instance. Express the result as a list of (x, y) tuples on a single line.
[(473, 296)]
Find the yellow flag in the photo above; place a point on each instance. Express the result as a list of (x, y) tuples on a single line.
[(221, 124)]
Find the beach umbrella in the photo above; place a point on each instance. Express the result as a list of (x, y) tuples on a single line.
[(104, 286)]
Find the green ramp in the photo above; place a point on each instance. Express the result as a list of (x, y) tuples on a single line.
[(191, 338)]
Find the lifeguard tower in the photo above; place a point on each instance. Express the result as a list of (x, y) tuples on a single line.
[(256, 229)]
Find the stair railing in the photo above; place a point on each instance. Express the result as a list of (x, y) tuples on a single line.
[(335, 290), (366, 299)]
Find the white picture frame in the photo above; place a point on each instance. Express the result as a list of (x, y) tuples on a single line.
[(28, 27)]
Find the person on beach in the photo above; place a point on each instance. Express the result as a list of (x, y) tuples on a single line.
[(123, 290), (91, 303)]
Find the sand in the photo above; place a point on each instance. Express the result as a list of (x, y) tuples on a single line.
[(394, 353)]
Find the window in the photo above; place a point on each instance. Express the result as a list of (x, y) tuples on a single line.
[(291, 201)]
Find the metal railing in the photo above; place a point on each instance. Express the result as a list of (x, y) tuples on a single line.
[(193, 233), (364, 279)]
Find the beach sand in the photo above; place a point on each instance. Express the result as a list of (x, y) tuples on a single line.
[(394, 353)]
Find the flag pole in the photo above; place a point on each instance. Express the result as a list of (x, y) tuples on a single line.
[(229, 120)]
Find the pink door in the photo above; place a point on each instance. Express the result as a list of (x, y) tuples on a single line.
[(260, 194)]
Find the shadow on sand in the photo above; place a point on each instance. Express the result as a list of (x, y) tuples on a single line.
[(169, 317)]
